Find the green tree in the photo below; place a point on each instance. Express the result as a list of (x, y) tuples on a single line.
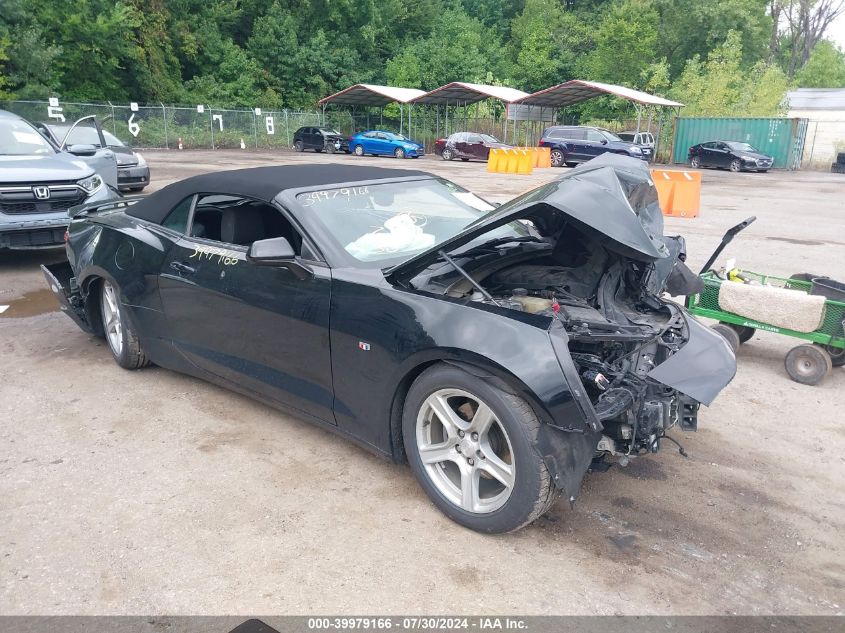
[(824, 69), (625, 43), (720, 86)]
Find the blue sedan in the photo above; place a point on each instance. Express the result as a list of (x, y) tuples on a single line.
[(379, 143)]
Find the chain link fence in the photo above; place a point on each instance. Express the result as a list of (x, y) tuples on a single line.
[(167, 126), (205, 127)]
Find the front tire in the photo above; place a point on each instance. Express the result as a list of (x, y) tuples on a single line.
[(123, 343), (729, 334), (399, 152), (472, 447), (736, 166), (808, 364)]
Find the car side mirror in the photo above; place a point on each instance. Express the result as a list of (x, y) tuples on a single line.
[(276, 252), (82, 150), (604, 141)]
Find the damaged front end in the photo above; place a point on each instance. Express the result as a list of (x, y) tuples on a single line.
[(588, 252)]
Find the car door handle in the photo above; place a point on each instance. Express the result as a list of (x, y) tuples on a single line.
[(183, 268)]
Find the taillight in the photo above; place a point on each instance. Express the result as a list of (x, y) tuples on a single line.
[(541, 143)]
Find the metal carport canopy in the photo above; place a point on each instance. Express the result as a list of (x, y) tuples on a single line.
[(465, 93), (370, 95), (578, 90)]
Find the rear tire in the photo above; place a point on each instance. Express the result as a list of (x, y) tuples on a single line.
[(571, 164), (472, 448), (298, 146), (729, 334), (447, 154), (319, 150), (358, 150), (122, 341), (557, 158), (466, 160), (837, 354), (695, 162), (808, 364)]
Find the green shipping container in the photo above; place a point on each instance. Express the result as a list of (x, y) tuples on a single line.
[(783, 139)]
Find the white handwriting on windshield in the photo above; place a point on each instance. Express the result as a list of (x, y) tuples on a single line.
[(314, 197)]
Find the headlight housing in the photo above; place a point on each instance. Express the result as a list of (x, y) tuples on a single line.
[(91, 184), (635, 149), (140, 159)]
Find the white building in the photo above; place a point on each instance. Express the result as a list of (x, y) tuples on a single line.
[(825, 110)]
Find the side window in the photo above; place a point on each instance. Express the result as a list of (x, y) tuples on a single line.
[(370, 135), (595, 136), (241, 221), (473, 138), (574, 133), (177, 219)]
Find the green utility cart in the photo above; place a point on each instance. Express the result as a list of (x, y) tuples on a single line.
[(807, 363)]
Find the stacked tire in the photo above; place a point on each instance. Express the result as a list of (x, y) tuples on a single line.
[(839, 166)]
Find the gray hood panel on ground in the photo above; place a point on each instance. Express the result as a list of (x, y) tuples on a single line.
[(701, 368), (610, 195)]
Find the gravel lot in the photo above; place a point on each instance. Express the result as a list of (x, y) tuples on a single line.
[(150, 492)]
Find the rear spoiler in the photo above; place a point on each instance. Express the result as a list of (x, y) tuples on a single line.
[(83, 210)]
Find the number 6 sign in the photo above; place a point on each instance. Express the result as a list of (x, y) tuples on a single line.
[(134, 128)]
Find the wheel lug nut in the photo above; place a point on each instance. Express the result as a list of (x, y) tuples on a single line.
[(461, 433), (475, 436), (471, 461), (458, 447)]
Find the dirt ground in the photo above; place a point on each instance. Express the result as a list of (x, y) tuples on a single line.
[(150, 492)]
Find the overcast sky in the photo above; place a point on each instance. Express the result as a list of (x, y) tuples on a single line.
[(837, 31)]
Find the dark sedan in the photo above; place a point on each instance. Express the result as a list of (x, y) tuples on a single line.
[(502, 359), (320, 139), (466, 146), (733, 155), (133, 173)]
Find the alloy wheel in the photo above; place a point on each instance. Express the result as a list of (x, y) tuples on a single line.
[(465, 451), (111, 318)]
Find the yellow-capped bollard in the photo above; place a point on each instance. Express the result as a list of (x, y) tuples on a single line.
[(493, 159), (679, 192), (526, 162), (513, 161)]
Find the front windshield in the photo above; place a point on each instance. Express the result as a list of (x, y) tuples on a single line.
[(384, 224), (610, 136), (331, 131), (740, 147), (19, 138)]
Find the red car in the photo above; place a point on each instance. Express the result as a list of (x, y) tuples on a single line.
[(466, 146)]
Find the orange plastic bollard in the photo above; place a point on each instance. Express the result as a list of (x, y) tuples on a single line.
[(545, 154), (679, 192)]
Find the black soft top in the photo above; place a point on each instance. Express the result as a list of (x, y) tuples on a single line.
[(261, 183)]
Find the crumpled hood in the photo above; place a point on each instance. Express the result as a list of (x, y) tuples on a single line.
[(612, 196), (32, 169)]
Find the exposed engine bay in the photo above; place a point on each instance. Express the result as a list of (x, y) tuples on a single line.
[(585, 255), (618, 329)]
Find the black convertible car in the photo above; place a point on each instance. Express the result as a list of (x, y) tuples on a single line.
[(503, 351)]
